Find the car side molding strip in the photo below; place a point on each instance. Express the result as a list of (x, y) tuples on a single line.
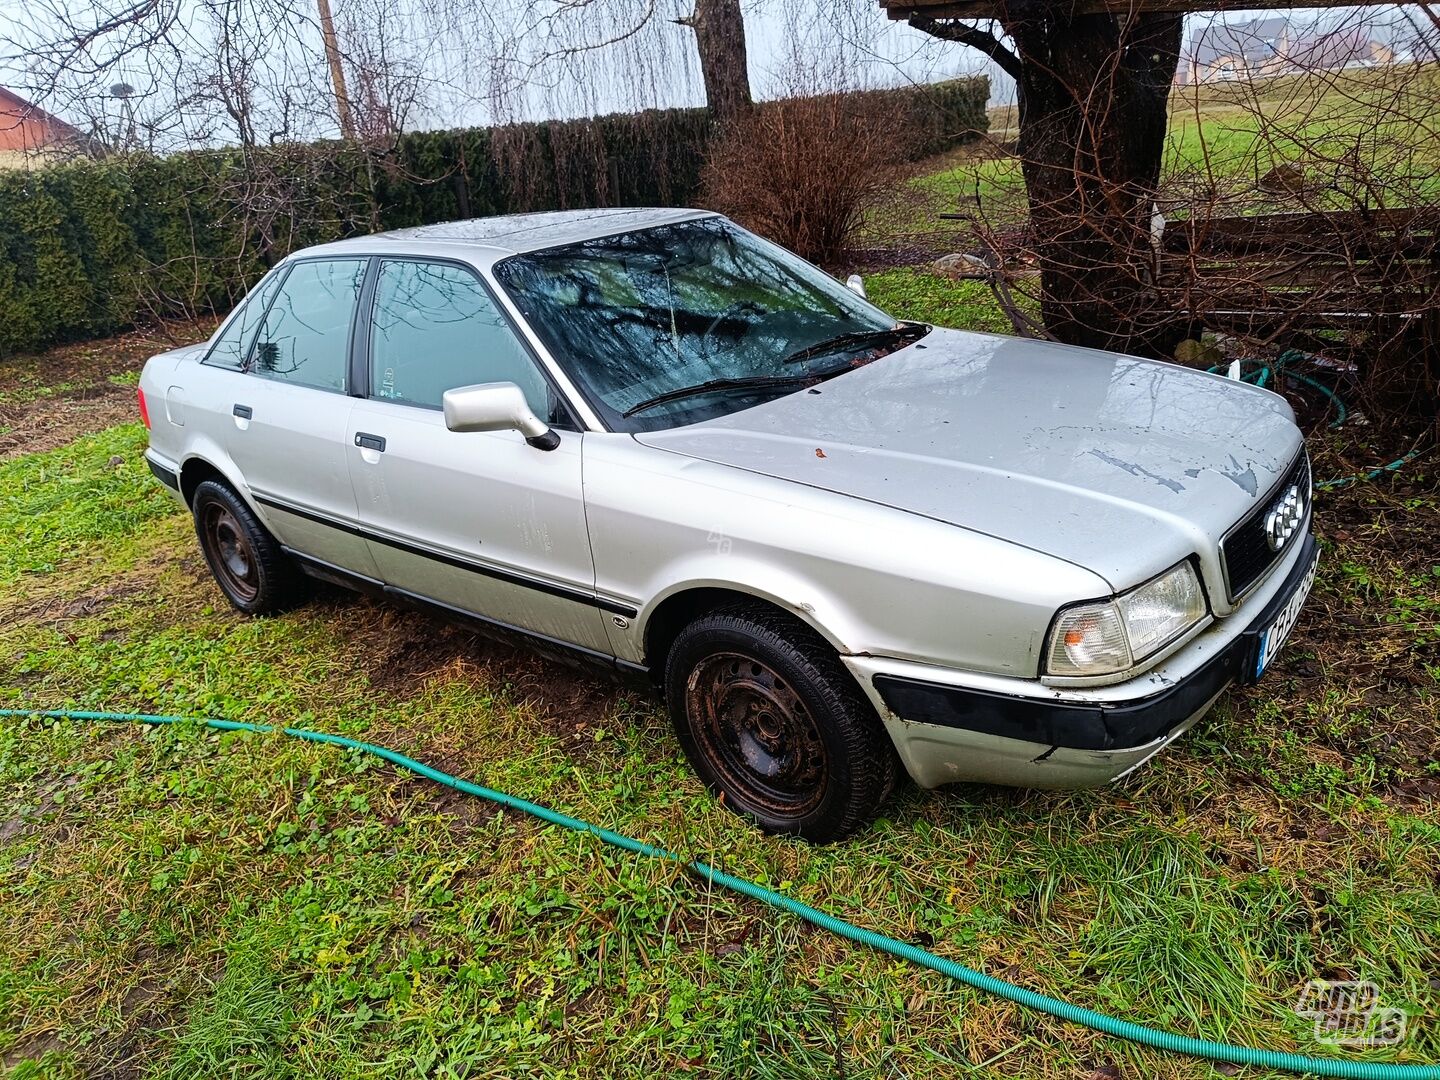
[(550, 588)]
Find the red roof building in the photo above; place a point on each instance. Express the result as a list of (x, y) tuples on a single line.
[(31, 136)]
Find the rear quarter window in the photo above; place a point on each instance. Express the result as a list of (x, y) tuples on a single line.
[(305, 335), (232, 345)]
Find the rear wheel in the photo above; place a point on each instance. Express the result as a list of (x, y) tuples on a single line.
[(774, 724), (249, 566)]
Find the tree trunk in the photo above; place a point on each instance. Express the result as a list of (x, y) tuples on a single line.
[(720, 37), (1093, 91)]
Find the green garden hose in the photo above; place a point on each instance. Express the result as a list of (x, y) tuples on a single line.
[(1163, 1040)]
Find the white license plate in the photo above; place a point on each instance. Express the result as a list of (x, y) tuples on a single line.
[(1272, 638)]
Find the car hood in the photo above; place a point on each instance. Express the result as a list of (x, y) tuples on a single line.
[(1120, 465)]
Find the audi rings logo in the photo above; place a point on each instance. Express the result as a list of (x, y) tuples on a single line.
[(1284, 518)]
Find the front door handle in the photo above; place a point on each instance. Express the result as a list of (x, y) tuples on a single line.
[(366, 441), (243, 411)]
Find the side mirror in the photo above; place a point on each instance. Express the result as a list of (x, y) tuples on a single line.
[(856, 284), (496, 406)]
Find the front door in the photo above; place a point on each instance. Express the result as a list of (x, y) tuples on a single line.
[(480, 522)]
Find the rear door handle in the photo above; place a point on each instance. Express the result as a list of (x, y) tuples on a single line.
[(366, 441), (243, 411)]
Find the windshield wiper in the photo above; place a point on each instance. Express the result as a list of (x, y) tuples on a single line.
[(858, 337), (720, 384)]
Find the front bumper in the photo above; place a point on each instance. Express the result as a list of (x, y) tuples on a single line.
[(950, 726)]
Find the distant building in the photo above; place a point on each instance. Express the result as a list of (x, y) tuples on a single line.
[(1260, 48), (1339, 49), (1226, 51), (30, 136)]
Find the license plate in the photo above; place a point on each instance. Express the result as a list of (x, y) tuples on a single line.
[(1272, 638)]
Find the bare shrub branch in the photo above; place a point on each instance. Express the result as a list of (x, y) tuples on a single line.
[(805, 169)]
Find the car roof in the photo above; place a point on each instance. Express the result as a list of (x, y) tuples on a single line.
[(515, 233)]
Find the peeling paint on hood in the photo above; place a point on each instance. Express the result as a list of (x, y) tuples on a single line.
[(1120, 465)]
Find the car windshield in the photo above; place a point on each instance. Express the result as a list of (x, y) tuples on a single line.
[(692, 320)]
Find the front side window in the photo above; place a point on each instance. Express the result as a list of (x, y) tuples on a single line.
[(305, 338), (684, 322), (232, 344), (435, 328)]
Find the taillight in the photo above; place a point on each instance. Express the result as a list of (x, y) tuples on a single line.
[(144, 411)]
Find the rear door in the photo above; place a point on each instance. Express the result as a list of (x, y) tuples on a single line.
[(289, 418), (480, 522)]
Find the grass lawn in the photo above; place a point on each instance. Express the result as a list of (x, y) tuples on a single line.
[(179, 903), (1360, 138), (915, 292)]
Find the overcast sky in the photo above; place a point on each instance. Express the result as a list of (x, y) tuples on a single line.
[(467, 58), (876, 50)]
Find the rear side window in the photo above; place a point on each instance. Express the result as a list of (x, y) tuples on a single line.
[(231, 347), (305, 338), (435, 327)]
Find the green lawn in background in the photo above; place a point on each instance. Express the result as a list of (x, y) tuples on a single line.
[(1366, 137)]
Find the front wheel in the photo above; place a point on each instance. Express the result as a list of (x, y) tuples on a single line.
[(773, 723)]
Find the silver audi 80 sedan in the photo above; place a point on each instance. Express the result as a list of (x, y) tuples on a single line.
[(839, 544)]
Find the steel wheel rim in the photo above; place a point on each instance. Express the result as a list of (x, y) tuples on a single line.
[(230, 552), (757, 733)]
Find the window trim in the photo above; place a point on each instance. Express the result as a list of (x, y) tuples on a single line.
[(280, 272), (359, 355), (362, 337), (289, 265)]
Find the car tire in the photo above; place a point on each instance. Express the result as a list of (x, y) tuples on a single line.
[(250, 567), (773, 724)]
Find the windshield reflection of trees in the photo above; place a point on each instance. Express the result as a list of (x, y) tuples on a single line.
[(641, 313)]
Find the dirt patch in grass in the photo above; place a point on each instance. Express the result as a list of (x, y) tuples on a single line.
[(55, 421), (984, 148), (29, 1048), (146, 1007), (464, 814), (52, 398), (874, 260), (410, 647), (59, 607), (86, 363)]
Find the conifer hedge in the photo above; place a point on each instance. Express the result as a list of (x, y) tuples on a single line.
[(91, 248)]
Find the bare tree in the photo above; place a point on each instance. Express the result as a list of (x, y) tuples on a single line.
[(388, 76), (1092, 91), (720, 38), (624, 43), (1289, 214)]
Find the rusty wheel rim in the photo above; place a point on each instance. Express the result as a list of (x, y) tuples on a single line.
[(230, 552), (757, 733)]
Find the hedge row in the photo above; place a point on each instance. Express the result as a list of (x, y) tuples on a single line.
[(90, 248)]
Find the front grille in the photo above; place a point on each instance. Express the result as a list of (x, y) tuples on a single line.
[(1245, 553)]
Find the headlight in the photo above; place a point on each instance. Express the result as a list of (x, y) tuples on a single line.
[(1112, 635)]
